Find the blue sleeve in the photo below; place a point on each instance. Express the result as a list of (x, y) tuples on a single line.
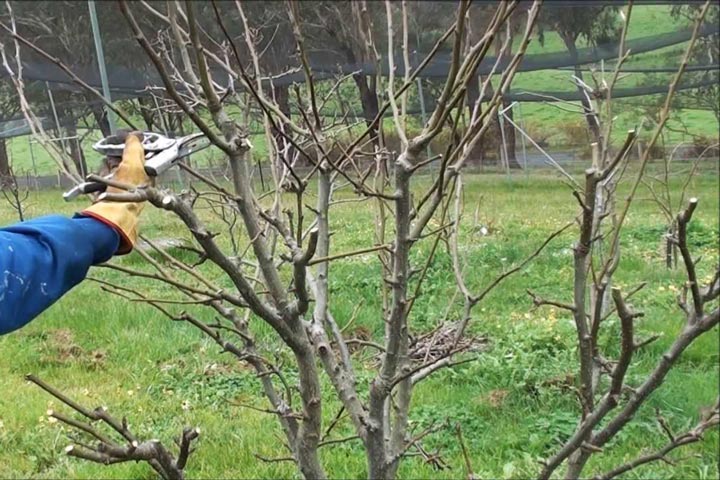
[(43, 258)]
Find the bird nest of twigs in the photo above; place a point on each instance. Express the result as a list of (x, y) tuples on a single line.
[(435, 345), (441, 342)]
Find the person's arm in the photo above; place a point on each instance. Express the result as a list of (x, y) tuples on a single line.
[(40, 260), (43, 258)]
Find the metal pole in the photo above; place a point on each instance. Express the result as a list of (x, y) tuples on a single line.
[(57, 120), (521, 121), (504, 152), (550, 160), (101, 64), (34, 165), (81, 160), (60, 135)]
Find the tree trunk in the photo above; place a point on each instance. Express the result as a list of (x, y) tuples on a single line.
[(76, 152), (509, 130), (308, 438), (369, 102), (5, 175), (476, 156), (510, 137), (592, 122), (282, 98), (576, 464), (101, 118), (670, 248), (69, 124), (146, 110)]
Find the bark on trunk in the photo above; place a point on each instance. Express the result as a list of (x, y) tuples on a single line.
[(76, 152), (306, 449), (369, 102), (4, 164), (282, 98), (476, 156), (101, 119), (670, 249), (380, 464)]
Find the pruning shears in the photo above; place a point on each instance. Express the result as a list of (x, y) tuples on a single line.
[(161, 153)]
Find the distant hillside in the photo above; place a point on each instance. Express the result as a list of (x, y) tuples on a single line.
[(551, 122)]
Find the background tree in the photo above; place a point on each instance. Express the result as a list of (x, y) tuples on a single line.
[(9, 108), (299, 313), (595, 25), (62, 29), (348, 33), (706, 52), (282, 278)]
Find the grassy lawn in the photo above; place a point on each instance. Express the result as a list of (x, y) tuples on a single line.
[(102, 350)]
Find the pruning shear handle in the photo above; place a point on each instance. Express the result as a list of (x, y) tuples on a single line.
[(84, 188), (161, 153)]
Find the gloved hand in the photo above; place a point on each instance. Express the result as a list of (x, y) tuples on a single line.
[(123, 216)]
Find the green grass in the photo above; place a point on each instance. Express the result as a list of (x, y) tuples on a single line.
[(164, 375)]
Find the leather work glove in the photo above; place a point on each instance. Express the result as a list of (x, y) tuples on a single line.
[(123, 216)]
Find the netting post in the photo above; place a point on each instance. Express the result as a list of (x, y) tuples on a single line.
[(521, 121), (101, 64), (81, 160), (34, 165), (550, 160), (55, 116), (503, 152)]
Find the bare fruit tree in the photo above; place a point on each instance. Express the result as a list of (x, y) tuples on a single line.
[(13, 66), (271, 253), (15, 195), (283, 243), (669, 201), (608, 402)]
